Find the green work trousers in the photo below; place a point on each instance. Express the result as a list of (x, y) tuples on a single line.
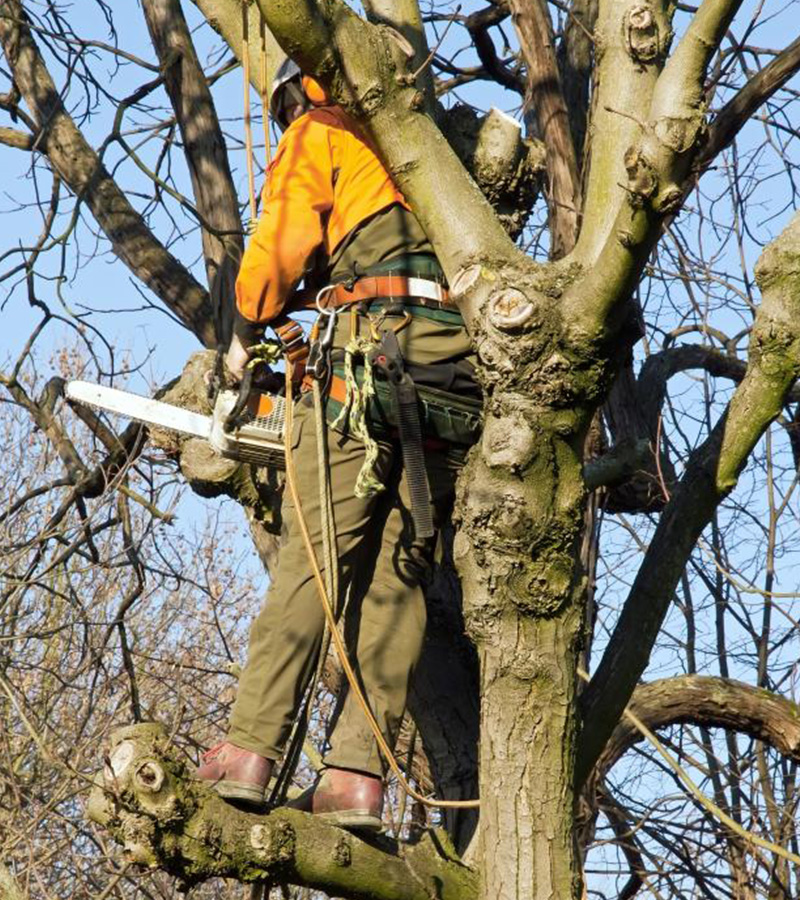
[(382, 565)]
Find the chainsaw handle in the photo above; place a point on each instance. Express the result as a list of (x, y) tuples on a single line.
[(245, 387)]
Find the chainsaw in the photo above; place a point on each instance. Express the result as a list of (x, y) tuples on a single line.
[(246, 425)]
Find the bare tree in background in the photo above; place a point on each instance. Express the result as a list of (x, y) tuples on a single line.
[(629, 273)]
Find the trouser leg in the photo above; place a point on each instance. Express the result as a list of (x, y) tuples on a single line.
[(286, 635), (390, 621)]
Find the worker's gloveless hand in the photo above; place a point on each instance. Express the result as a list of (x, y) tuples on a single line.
[(236, 358)]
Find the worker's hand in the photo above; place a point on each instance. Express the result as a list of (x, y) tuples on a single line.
[(236, 358)]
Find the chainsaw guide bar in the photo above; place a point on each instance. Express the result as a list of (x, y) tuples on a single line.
[(256, 438)]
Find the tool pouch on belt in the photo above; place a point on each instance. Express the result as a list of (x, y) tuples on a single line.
[(451, 414)]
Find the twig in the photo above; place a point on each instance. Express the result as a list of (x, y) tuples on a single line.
[(695, 791), (410, 79)]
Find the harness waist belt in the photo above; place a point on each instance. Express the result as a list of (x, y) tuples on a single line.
[(423, 291)]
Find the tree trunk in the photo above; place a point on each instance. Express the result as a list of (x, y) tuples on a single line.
[(522, 504), (527, 756)]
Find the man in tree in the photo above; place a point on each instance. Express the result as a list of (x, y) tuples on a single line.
[(333, 217)]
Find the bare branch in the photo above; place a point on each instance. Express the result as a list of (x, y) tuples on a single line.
[(575, 57), (478, 25), (711, 473), (225, 17), (711, 702), (19, 140), (204, 148), (80, 168), (405, 17), (730, 119), (632, 41)]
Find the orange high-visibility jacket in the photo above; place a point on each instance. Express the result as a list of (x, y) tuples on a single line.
[(324, 181)]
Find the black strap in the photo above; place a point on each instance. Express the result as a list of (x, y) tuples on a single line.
[(388, 360)]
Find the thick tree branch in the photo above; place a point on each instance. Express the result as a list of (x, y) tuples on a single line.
[(478, 25), (730, 119), (682, 83), (710, 702), (147, 799), (631, 44), (19, 140), (657, 164), (204, 149), (405, 17), (544, 96), (710, 475), (225, 17), (81, 169)]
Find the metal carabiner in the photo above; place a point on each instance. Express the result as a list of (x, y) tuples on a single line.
[(319, 358), (326, 341)]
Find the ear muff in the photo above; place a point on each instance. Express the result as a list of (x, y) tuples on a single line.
[(315, 92)]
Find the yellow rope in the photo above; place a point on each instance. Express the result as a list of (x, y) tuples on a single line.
[(330, 618), (248, 128), (263, 82), (354, 413)]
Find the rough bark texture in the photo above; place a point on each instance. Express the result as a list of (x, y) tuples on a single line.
[(146, 798)]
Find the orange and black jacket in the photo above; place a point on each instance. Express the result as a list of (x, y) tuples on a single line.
[(323, 183)]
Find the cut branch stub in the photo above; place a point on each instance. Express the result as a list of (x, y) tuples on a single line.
[(510, 310), (642, 35), (642, 177)]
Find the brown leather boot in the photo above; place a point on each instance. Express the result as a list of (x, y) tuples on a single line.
[(236, 774), (350, 799)]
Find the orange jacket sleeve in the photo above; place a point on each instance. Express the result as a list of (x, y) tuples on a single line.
[(297, 197)]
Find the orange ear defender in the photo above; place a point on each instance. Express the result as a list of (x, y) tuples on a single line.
[(315, 92)]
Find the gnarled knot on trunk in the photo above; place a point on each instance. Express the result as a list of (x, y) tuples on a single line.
[(540, 588), (508, 442)]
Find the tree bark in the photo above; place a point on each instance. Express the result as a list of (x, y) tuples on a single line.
[(146, 798), (546, 100)]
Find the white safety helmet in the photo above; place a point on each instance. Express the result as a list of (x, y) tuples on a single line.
[(287, 91)]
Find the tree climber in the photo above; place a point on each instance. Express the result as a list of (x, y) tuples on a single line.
[(331, 216)]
